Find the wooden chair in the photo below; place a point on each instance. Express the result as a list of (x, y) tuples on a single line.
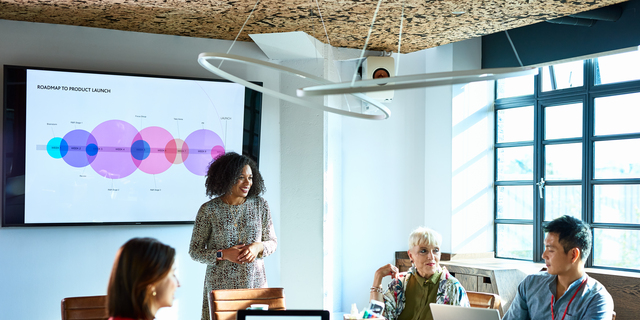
[(484, 300), (84, 308), (224, 304)]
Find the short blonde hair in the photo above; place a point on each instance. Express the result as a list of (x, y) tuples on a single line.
[(423, 236)]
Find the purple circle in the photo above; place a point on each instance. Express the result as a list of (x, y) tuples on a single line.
[(114, 139), (77, 154), (200, 143)]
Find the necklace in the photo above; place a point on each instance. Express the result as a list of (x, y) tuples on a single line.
[(235, 210)]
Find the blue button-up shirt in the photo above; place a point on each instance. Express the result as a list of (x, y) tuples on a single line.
[(533, 300)]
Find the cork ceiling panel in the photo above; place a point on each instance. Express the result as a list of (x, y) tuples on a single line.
[(426, 24)]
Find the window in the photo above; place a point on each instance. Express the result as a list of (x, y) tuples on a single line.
[(568, 143)]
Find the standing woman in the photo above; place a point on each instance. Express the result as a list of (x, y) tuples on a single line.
[(233, 232)]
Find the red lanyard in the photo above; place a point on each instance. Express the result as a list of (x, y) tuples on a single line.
[(568, 304)]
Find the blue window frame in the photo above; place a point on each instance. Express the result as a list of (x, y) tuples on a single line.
[(570, 145)]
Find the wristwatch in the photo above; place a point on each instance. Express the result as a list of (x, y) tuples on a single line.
[(219, 254)]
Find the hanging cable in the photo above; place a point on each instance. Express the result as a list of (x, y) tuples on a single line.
[(330, 47), (353, 80), (400, 39), (239, 32)]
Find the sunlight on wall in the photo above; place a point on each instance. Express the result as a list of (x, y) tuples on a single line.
[(472, 168)]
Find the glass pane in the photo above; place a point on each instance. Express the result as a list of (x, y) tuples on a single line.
[(617, 159), (563, 121), (617, 114), (515, 202), (563, 161), (562, 76), (514, 87), (561, 200), (515, 124), (515, 241), (618, 67), (515, 163), (617, 203), (616, 248)]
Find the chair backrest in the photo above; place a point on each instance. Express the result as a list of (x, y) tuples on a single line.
[(224, 304), (84, 308), (484, 300)]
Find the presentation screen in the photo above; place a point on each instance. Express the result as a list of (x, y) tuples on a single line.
[(96, 148)]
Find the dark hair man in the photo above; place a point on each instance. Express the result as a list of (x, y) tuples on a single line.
[(564, 290)]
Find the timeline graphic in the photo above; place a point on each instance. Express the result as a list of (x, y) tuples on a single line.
[(115, 149)]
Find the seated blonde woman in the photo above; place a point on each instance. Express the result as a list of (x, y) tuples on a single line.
[(410, 293)]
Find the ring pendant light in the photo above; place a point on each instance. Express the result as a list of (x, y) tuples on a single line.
[(205, 57)]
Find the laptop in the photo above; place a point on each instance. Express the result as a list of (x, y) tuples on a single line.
[(282, 315), (449, 312)]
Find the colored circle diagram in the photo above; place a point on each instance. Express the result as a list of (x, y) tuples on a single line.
[(115, 149)]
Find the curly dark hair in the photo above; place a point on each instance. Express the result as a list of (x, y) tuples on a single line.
[(572, 233), (225, 170)]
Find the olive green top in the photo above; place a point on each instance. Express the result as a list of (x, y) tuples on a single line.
[(420, 293)]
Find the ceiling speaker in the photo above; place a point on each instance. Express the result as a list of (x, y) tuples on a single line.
[(379, 67)]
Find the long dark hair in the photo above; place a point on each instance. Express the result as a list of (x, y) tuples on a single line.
[(224, 172), (139, 263)]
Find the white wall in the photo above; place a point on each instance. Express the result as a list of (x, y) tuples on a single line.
[(302, 160), (383, 186), (429, 164), (40, 266), (472, 135), (437, 141)]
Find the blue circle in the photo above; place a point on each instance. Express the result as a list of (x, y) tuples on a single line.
[(140, 150), (92, 149), (57, 148)]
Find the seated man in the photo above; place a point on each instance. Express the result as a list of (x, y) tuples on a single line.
[(564, 290)]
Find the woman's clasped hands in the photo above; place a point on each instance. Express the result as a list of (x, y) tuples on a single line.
[(242, 253)]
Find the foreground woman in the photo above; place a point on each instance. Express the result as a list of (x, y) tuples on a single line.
[(233, 232), (410, 293), (142, 280)]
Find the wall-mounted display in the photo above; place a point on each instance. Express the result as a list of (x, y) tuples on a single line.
[(85, 148)]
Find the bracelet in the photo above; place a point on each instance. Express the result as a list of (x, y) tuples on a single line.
[(377, 289)]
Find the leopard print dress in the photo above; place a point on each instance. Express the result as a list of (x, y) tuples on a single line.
[(220, 226)]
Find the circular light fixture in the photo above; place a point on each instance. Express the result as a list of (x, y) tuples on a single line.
[(203, 60), (415, 81)]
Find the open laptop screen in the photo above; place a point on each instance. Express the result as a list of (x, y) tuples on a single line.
[(283, 315), (449, 312)]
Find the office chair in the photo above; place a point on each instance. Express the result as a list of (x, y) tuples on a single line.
[(484, 300), (224, 304), (84, 308)]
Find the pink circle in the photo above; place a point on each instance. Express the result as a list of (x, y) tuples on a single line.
[(114, 139), (217, 151), (156, 162)]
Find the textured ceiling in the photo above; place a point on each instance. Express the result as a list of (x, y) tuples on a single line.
[(427, 23)]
